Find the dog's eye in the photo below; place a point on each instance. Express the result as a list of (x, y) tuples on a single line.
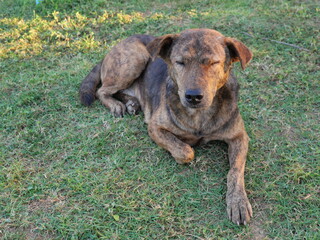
[(209, 62), (181, 63), (214, 63)]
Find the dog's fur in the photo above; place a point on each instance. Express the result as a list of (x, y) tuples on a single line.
[(184, 85)]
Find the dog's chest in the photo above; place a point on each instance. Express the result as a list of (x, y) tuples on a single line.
[(189, 130), (192, 124)]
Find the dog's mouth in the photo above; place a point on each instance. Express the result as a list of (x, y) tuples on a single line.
[(191, 105)]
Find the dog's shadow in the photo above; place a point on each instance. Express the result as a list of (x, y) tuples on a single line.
[(196, 190), (201, 184)]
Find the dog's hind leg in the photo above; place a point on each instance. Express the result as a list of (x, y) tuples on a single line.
[(120, 68)]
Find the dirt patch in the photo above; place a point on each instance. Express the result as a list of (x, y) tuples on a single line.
[(45, 204), (256, 231), (27, 233), (290, 133), (41, 205)]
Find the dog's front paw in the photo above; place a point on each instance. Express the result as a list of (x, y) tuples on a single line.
[(184, 155), (238, 207)]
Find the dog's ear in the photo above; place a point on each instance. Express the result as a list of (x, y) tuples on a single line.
[(238, 51), (162, 46)]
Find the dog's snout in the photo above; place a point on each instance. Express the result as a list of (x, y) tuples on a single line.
[(193, 96)]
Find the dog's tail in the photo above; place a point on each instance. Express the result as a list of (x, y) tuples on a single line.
[(89, 85)]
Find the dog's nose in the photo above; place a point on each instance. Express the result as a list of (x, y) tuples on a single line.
[(193, 96)]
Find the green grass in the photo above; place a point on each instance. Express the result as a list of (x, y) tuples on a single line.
[(70, 172)]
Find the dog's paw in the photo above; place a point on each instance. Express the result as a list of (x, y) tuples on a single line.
[(118, 109), (132, 107), (238, 207), (183, 156)]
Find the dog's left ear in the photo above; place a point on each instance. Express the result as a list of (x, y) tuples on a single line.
[(238, 51), (162, 46)]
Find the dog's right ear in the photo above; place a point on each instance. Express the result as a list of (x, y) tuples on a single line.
[(162, 46)]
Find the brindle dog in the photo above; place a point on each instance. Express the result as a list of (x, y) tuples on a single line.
[(184, 85)]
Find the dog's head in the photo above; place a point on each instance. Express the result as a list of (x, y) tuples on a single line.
[(199, 62)]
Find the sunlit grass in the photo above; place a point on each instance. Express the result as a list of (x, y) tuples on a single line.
[(26, 38)]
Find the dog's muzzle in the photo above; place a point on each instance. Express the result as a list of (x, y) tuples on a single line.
[(193, 97)]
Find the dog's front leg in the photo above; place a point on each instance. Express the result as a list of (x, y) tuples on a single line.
[(238, 206), (182, 152)]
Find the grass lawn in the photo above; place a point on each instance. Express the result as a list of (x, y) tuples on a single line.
[(71, 172)]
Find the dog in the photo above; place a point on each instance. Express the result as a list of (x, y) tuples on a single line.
[(184, 85)]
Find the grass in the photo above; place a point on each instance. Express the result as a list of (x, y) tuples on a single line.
[(70, 172)]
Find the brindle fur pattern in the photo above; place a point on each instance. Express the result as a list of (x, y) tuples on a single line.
[(184, 85)]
